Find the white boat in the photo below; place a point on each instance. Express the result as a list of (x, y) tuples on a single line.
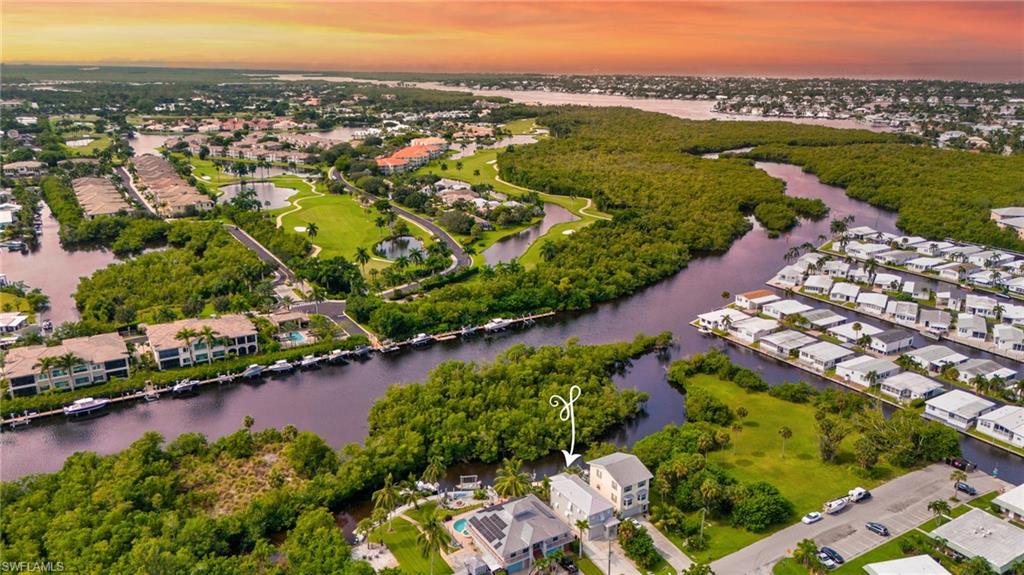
[(362, 351), (280, 366), (428, 487), (389, 347), (836, 505), (469, 331), (254, 370), (309, 362), (151, 396), (85, 406), (421, 340), (337, 356), (497, 324), (184, 386)]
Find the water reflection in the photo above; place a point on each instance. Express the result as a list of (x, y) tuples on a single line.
[(395, 248), (511, 247), (270, 196)]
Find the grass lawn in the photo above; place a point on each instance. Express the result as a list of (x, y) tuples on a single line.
[(11, 302), (99, 142), (587, 567), (522, 126), (208, 172), (402, 543), (756, 455)]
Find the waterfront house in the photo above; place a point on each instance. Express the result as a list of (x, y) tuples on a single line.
[(865, 251), (916, 565), (954, 272), (960, 253), (980, 305), (169, 194), (101, 358), (784, 343), (936, 357), (514, 534), (823, 319), (574, 500), (622, 479), (902, 311), (925, 263), (895, 257), (98, 197), (932, 249), (1005, 424), (807, 262), (823, 356), (235, 335), (1008, 338), (892, 341), (789, 275), (721, 318), (936, 321), (873, 302), (990, 259), (12, 321), (782, 309), (1012, 503), (979, 533), (971, 326), (755, 300), (24, 169), (844, 292), (908, 386), (818, 284), (860, 275), (753, 329), (958, 408), (887, 281), (908, 241), (985, 368), (860, 232), (836, 269), (1015, 285), (849, 333), (863, 368)]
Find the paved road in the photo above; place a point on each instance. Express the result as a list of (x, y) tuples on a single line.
[(597, 551), (126, 179), (334, 309), (462, 259), (676, 558), (900, 505), (284, 272)]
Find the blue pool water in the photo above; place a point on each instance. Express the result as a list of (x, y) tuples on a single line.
[(296, 336), (461, 527)]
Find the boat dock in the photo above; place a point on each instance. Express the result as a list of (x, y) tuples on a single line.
[(526, 320)]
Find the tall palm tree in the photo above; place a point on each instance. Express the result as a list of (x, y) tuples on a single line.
[(785, 433), (435, 470), (318, 295), (417, 256), (312, 229), (939, 507), (806, 554), (287, 301), (510, 481), (211, 338), (186, 335), (362, 258), (386, 499), (957, 476), (47, 365), (67, 362), (432, 537)]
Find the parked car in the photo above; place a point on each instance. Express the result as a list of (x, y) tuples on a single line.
[(569, 565), (961, 463), (877, 528), (827, 561), (833, 554), (965, 488), (859, 494), (812, 517)]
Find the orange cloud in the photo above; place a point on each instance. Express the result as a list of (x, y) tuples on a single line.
[(971, 40)]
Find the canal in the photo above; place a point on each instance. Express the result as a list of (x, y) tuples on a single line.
[(334, 402)]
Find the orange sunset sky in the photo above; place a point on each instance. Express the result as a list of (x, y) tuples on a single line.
[(951, 40)]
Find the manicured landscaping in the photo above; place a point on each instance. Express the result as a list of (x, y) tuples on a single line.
[(402, 544), (11, 302), (99, 142), (521, 126), (587, 567)]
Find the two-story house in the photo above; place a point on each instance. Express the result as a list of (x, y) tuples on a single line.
[(573, 500), (622, 479), (233, 334), (37, 368), (517, 533)]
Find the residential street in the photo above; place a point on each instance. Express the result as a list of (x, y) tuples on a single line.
[(676, 558), (900, 505), (597, 551)]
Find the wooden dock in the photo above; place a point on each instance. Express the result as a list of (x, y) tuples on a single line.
[(525, 320)]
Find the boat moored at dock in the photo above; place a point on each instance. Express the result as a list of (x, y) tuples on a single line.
[(184, 387), (310, 362), (280, 366), (497, 324), (86, 406), (254, 370), (421, 340)]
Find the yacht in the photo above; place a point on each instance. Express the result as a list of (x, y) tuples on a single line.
[(428, 487), (421, 340), (254, 370), (85, 406), (497, 324), (280, 366), (469, 331), (389, 347), (362, 351), (836, 505), (338, 356), (309, 362), (184, 387), (151, 396)]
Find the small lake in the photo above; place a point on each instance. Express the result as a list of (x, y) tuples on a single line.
[(511, 247), (271, 197), (341, 133), (398, 247), (147, 143), (466, 149)]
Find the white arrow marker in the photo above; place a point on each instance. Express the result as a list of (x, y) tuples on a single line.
[(568, 414)]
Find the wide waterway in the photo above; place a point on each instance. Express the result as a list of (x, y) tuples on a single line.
[(334, 402)]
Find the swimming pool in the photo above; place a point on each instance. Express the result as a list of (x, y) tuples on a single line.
[(461, 526), (296, 337)]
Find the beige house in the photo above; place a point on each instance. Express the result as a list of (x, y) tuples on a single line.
[(622, 479), (102, 357), (234, 334), (98, 197)]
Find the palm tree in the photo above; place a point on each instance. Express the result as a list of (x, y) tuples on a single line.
[(582, 525), (364, 528), (431, 538), (510, 481), (872, 377), (186, 335), (362, 258), (312, 229), (417, 256), (67, 362), (210, 338), (806, 554), (785, 433), (47, 365), (318, 295), (287, 301), (435, 470), (386, 499), (957, 476), (939, 507), (548, 250)]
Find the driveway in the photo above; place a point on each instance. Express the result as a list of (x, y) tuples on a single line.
[(900, 505), (597, 551), (675, 557)]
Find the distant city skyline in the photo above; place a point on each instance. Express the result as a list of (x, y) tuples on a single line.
[(980, 41)]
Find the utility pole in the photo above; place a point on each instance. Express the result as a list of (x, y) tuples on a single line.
[(609, 557)]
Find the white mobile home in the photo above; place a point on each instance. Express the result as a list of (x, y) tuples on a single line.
[(958, 408), (908, 386)]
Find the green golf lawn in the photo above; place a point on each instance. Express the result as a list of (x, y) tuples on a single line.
[(521, 126), (756, 455), (402, 544)]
